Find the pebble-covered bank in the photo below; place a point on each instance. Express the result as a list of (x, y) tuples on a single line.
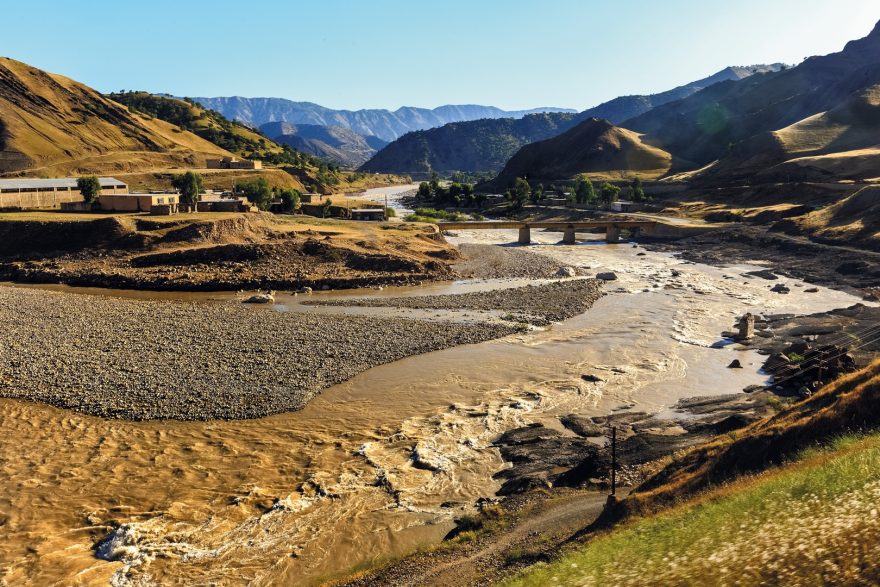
[(138, 360), (536, 304)]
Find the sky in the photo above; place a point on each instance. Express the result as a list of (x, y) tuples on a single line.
[(350, 54)]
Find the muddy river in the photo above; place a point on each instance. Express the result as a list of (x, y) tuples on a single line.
[(302, 497)]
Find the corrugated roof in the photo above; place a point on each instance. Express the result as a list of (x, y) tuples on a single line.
[(61, 182)]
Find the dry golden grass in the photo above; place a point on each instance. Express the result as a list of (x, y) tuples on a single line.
[(58, 126)]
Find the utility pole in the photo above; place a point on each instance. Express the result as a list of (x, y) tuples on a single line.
[(613, 461)]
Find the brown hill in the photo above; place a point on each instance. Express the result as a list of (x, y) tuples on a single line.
[(595, 147), (52, 125)]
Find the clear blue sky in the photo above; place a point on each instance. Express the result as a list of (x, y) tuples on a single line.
[(389, 53)]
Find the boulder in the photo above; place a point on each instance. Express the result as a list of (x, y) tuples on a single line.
[(566, 272), (780, 288), (583, 426), (735, 364), (592, 378), (260, 298), (303, 290), (607, 276)]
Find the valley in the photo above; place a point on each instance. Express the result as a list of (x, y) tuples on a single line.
[(250, 339)]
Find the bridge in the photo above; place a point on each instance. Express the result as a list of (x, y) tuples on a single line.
[(612, 227)]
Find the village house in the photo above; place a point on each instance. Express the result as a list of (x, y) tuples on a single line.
[(50, 193), (234, 163), (160, 204), (373, 214)]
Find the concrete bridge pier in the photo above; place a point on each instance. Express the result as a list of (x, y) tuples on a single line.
[(525, 235), (568, 238), (612, 234)]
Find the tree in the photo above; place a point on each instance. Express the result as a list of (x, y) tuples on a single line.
[(326, 209), (610, 193), (90, 188), (424, 192), (584, 192), (520, 193), (289, 199), (538, 193), (257, 192), (637, 191), (189, 185)]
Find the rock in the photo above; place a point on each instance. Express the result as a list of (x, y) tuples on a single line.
[(763, 274), (812, 290), (566, 272), (776, 362), (304, 290), (735, 364), (592, 378), (641, 254), (753, 388), (607, 276), (582, 426), (780, 288), (260, 298)]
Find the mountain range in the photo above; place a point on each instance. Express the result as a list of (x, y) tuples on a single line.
[(817, 120), (385, 124), (338, 144), (486, 145)]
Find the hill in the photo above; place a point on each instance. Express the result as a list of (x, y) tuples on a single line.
[(54, 125), (788, 500), (739, 118), (626, 107), (385, 124), (486, 145), (338, 144), (474, 146), (594, 147)]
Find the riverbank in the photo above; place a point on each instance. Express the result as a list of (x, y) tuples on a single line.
[(138, 359), (538, 305)]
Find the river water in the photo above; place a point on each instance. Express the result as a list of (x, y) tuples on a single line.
[(301, 497)]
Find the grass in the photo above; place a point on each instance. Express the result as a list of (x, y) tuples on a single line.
[(433, 215), (812, 522)]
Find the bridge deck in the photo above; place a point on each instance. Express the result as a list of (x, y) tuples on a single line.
[(504, 224)]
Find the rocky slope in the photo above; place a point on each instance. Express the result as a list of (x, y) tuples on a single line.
[(338, 144), (385, 124), (59, 126)]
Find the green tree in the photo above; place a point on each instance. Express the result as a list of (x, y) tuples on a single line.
[(584, 192), (538, 193), (326, 209), (520, 193), (189, 185), (257, 192), (90, 188), (637, 191), (424, 192), (289, 199), (610, 193)]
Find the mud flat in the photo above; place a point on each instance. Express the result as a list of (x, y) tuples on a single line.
[(138, 360)]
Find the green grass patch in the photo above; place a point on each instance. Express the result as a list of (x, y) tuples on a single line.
[(433, 215), (812, 522)]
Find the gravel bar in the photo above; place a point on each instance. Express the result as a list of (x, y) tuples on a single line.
[(539, 305), (494, 262), (139, 360)]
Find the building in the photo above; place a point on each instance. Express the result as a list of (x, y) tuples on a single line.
[(310, 198), (374, 214), (626, 206), (233, 163), (50, 193), (215, 203), (164, 203)]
